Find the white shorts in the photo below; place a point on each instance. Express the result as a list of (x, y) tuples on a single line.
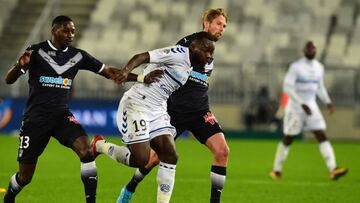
[(138, 123), (296, 121)]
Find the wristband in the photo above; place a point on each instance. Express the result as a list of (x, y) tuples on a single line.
[(23, 71), (140, 78)]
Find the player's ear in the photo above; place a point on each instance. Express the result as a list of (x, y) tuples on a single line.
[(54, 29), (206, 25), (192, 46)]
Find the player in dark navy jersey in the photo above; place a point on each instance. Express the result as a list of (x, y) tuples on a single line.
[(189, 109), (52, 66)]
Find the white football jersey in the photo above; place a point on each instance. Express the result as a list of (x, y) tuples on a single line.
[(176, 64), (303, 81)]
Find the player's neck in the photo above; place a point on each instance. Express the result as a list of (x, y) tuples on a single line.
[(57, 45)]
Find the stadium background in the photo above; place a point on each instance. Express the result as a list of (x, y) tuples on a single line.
[(262, 38)]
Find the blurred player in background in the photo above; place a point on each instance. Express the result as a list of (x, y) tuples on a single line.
[(142, 116), (189, 109), (52, 66), (303, 81)]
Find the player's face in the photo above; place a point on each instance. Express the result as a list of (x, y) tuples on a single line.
[(203, 54), (216, 27), (64, 34), (310, 50)]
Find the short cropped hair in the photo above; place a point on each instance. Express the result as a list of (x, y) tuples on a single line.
[(58, 20), (210, 14), (206, 35)]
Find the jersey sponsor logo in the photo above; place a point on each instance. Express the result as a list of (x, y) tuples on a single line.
[(303, 80), (5, 112), (199, 78), (73, 119), (210, 118), (197, 75), (60, 69), (59, 82)]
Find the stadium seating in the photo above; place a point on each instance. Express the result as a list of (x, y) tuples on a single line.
[(263, 33)]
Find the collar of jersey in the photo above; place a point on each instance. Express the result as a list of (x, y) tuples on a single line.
[(53, 47)]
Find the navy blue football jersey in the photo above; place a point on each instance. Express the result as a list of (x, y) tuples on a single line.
[(192, 96), (51, 75)]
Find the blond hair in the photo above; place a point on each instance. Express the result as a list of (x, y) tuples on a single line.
[(210, 14)]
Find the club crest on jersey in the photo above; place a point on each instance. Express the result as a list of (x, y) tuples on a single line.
[(209, 118), (51, 53), (166, 51), (73, 119)]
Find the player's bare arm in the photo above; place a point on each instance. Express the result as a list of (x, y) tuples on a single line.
[(19, 68), (306, 109), (149, 78), (330, 108), (134, 62), (110, 72)]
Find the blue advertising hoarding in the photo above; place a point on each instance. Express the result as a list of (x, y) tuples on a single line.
[(96, 116)]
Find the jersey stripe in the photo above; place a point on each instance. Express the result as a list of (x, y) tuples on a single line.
[(172, 77)]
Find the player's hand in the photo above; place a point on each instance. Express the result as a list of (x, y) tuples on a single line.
[(24, 59), (306, 109), (153, 76), (330, 108), (120, 76)]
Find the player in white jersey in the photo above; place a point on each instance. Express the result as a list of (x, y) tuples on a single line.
[(303, 82), (142, 114)]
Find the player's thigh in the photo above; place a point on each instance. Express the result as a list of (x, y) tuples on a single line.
[(315, 122), (133, 122), (34, 136), (68, 129), (293, 123), (180, 122), (161, 125), (204, 126)]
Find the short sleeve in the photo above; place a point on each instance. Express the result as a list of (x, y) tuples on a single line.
[(167, 55), (91, 63)]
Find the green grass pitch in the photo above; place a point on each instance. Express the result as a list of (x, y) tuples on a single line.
[(306, 179)]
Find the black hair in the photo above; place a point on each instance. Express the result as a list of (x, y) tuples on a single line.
[(207, 35), (58, 20)]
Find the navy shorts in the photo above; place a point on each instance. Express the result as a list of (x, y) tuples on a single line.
[(201, 124), (35, 135)]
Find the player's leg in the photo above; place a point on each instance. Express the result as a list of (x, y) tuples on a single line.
[(120, 154), (33, 139), (292, 127), (328, 154), (207, 131), (154, 160), (281, 154), (142, 172), (88, 169), (71, 134), (133, 124), (18, 181), (316, 123), (220, 150), (164, 146)]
